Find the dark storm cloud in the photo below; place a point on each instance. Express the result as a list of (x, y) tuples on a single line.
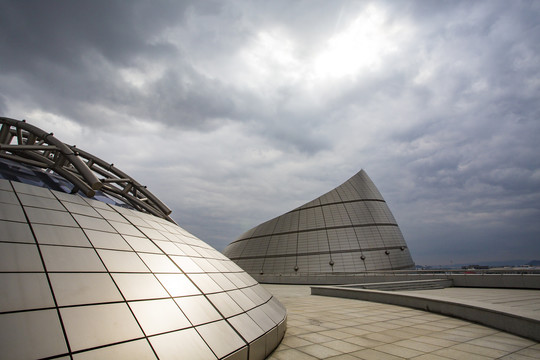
[(248, 107)]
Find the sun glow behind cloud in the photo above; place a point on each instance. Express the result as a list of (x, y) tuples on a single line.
[(358, 46)]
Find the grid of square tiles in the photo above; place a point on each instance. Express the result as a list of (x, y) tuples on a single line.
[(100, 280), (322, 327)]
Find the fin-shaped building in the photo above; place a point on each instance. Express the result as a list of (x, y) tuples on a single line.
[(348, 230), (115, 278)]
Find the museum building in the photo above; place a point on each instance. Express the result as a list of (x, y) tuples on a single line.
[(92, 267), (348, 230)]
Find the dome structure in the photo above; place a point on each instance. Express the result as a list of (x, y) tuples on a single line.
[(95, 268), (348, 230)]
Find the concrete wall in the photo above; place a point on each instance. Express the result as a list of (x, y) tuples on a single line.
[(500, 280)]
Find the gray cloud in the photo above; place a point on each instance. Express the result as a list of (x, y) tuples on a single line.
[(249, 109)]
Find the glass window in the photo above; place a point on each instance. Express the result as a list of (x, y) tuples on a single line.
[(20, 291), (15, 232), (22, 335), (83, 288), (139, 349), (122, 261), (97, 325), (107, 240), (170, 345), (60, 235), (66, 258), (222, 339), (178, 284), (139, 286), (159, 263), (19, 257), (198, 309), (158, 316)]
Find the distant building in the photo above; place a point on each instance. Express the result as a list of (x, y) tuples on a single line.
[(115, 278), (345, 231)]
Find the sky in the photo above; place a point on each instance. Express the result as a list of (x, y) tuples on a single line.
[(234, 112)]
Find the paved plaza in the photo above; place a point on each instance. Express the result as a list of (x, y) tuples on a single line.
[(335, 328)]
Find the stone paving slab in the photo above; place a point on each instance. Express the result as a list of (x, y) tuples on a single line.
[(322, 327)]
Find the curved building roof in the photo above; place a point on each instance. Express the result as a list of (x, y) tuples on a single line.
[(347, 230), (88, 279)]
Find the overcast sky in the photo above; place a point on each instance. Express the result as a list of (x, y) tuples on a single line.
[(234, 112)]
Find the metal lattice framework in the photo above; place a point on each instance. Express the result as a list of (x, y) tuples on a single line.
[(25, 143)]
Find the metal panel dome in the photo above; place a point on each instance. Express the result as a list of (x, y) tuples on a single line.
[(345, 231), (87, 279)]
